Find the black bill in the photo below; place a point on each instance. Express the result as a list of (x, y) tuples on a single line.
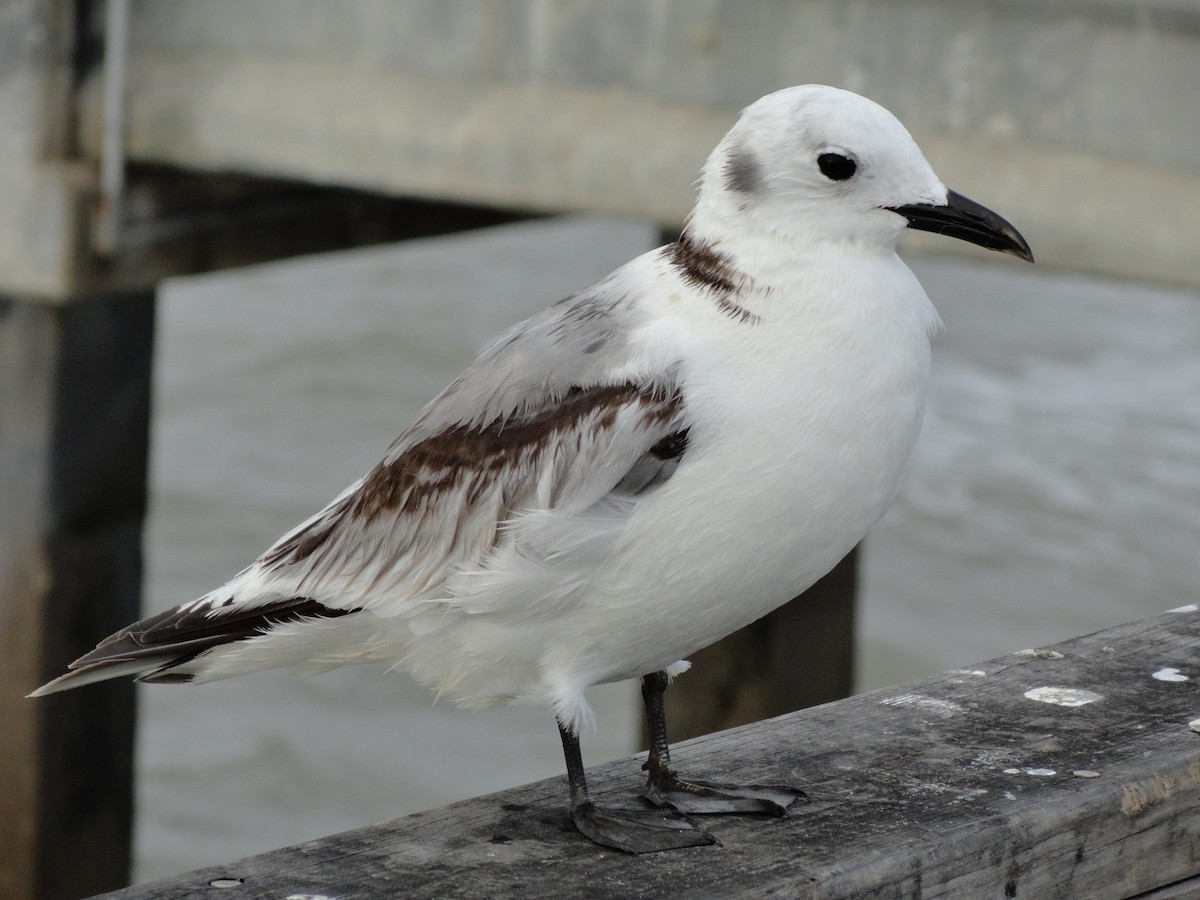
[(968, 221)]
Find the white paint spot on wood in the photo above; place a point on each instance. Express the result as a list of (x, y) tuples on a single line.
[(1039, 772), (1061, 696), (1194, 725), (1012, 772), (943, 708), (1169, 674), (972, 794), (1191, 607), (225, 882), (310, 897), (1038, 653), (975, 673), (1086, 773)]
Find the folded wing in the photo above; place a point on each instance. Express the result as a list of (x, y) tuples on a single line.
[(564, 413)]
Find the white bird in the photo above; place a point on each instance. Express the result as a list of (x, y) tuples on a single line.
[(632, 474)]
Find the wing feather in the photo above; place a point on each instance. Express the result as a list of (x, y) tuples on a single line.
[(554, 415), (442, 505), (566, 418)]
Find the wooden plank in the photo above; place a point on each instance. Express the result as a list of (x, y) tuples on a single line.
[(74, 416), (1188, 889), (960, 785)]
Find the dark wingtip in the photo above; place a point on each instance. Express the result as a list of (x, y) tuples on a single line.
[(90, 673), (153, 648)]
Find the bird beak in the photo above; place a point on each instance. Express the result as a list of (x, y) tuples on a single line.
[(968, 221)]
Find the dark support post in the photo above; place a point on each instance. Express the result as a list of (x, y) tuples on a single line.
[(74, 415), (75, 376), (798, 656)]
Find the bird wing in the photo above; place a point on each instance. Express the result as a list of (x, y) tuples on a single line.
[(557, 414), (565, 414)]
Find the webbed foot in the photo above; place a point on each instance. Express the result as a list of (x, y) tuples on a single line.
[(639, 830), (713, 798)]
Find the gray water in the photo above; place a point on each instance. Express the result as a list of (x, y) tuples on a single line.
[(1055, 491)]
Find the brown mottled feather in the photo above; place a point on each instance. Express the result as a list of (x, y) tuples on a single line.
[(704, 267), (414, 479)]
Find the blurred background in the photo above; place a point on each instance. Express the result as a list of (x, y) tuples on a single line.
[(243, 242)]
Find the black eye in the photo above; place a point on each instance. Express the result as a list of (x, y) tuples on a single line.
[(836, 167)]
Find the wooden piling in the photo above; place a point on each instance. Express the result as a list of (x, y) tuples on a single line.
[(800, 655), (74, 413)]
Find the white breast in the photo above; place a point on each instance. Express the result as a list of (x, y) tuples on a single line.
[(801, 424)]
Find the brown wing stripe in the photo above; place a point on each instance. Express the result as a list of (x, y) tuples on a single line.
[(439, 463)]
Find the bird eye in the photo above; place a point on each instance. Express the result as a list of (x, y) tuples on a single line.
[(836, 167)]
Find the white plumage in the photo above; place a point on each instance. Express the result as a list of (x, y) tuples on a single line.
[(639, 470)]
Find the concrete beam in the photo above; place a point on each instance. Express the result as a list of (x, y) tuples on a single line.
[(41, 215), (1074, 119)]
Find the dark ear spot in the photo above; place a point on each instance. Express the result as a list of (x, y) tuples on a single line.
[(743, 173)]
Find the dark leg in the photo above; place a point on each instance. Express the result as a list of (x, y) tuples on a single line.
[(666, 789), (631, 830)]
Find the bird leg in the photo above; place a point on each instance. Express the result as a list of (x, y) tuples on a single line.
[(666, 789), (630, 830)]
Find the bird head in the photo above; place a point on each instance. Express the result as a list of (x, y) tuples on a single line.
[(818, 164)]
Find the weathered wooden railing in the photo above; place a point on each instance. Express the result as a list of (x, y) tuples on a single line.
[(1069, 771)]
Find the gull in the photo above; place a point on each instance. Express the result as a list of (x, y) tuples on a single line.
[(632, 474)]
